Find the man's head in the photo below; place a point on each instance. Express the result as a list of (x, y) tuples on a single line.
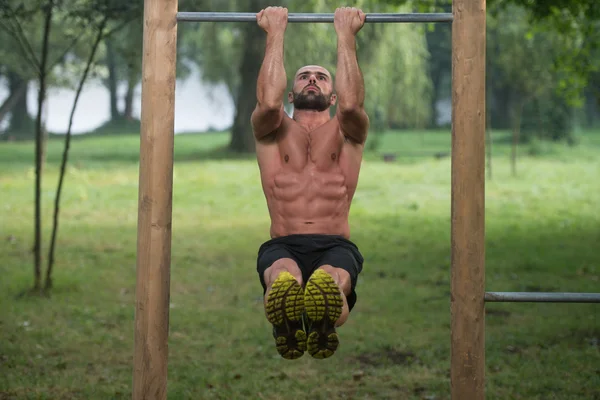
[(312, 89)]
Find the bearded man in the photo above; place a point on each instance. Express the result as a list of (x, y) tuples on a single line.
[(309, 166)]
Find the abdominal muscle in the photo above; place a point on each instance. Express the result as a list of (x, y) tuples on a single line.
[(308, 201)]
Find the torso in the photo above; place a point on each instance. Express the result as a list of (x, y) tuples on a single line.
[(309, 178)]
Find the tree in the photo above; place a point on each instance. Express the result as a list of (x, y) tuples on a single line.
[(439, 45), (96, 19), (88, 66), (24, 23), (18, 67), (16, 102), (577, 22), (123, 54), (230, 54), (524, 64), (588, 9), (11, 19)]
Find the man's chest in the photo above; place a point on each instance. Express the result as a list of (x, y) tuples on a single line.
[(320, 149)]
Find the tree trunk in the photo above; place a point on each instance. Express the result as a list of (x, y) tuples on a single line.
[(19, 116), (488, 144), (132, 80), (242, 139), (592, 107), (436, 77), (37, 248), (500, 110), (516, 129), (15, 96), (45, 133), (113, 79)]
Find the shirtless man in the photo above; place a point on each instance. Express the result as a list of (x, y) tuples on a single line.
[(309, 167)]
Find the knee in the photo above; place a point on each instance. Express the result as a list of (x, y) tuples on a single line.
[(344, 316), (340, 276), (279, 266)]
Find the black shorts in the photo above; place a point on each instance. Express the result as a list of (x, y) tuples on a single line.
[(310, 252)]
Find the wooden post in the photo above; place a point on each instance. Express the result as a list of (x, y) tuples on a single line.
[(155, 200), (468, 200)]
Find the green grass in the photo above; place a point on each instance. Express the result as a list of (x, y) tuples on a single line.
[(542, 233)]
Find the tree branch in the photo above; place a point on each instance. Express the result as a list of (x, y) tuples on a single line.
[(67, 49), (63, 166), (37, 248), (25, 43), (31, 62)]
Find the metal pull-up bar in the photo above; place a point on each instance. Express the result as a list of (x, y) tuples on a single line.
[(155, 191), (312, 17), (541, 297)]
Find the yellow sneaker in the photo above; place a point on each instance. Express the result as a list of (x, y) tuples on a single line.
[(284, 308), (323, 306)]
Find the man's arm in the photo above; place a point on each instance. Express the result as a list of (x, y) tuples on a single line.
[(349, 82), (270, 87)]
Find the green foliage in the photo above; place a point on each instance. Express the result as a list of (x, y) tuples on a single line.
[(217, 51), (119, 126), (549, 117), (396, 77), (74, 25), (585, 9), (575, 27), (530, 63)]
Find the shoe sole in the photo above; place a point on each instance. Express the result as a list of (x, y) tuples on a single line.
[(323, 306), (284, 308)]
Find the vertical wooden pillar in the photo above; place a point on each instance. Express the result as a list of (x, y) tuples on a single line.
[(468, 200), (155, 200)]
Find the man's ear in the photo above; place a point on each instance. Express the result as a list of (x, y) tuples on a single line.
[(333, 99), (290, 97)]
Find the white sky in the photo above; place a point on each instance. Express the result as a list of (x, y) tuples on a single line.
[(197, 107)]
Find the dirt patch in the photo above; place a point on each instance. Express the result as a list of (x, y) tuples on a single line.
[(513, 349), (580, 338), (387, 356), (497, 313), (537, 288)]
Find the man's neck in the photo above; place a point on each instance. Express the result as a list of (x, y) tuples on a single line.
[(310, 119)]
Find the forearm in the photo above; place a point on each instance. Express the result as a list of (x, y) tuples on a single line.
[(272, 80), (349, 86)]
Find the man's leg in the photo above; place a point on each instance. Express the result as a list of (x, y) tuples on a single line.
[(279, 266), (284, 306), (326, 308), (341, 277), (329, 296)]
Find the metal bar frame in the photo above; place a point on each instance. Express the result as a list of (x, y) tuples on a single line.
[(468, 297), (314, 17), (153, 258), (541, 297)]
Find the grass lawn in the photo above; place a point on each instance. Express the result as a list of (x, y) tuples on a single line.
[(542, 234)]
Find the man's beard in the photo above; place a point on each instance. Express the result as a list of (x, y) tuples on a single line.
[(311, 101)]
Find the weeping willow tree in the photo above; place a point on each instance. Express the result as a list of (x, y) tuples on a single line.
[(393, 58), (229, 54)]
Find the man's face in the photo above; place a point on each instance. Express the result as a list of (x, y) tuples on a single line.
[(313, 89)]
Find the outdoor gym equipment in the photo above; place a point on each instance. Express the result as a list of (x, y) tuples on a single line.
[(468, 296)]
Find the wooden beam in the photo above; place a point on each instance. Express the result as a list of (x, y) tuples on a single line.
[(468, 200), (155, 200)]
